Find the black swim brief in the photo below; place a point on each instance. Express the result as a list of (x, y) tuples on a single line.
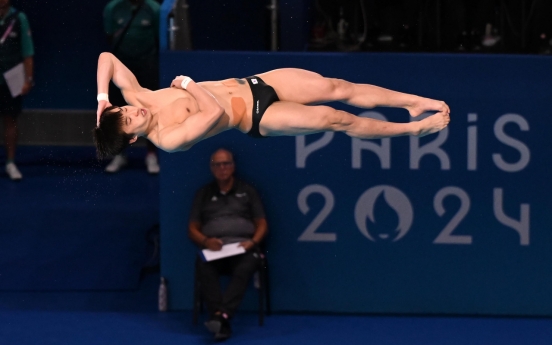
[(263, 96)]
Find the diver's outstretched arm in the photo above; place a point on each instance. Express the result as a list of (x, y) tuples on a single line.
[(111, 68)]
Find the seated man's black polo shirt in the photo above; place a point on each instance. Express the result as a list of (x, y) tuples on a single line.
[(229, 216)]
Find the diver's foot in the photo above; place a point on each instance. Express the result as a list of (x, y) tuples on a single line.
[(433, 123), (422, 105)]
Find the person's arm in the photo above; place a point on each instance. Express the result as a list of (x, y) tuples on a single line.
[(261, 229), (110, 68), (257, 213), (202, 241), (194, 225), (194, 128), (27, 48), (28, 67)]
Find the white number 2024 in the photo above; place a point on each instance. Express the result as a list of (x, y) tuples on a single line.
[(446, 235)]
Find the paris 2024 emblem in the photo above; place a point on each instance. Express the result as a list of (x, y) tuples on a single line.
[(396, 200)]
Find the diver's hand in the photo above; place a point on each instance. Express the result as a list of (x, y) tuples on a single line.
[(177, 82), (101, 107)]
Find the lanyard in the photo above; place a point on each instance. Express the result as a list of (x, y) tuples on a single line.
[(8, 30)]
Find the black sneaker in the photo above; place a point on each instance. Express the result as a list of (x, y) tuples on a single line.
[(224, 332)]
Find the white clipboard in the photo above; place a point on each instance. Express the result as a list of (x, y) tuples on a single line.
[(15, 78), (227, 250)]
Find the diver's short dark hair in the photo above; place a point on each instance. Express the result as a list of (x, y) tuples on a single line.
[(109, 137)]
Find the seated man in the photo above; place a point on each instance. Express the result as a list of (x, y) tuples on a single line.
[(226, 211), (274, 103)]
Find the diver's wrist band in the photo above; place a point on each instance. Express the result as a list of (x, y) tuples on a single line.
[(103, 97), (185, 82)]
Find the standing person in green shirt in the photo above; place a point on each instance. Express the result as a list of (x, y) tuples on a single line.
[(16, 47), (132, 27)]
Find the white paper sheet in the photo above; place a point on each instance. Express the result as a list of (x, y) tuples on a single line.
[(227, 250), (15, 78)]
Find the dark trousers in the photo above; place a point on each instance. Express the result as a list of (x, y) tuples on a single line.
[(240, 268)]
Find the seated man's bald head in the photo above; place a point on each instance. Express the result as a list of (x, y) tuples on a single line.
[(222, 151)]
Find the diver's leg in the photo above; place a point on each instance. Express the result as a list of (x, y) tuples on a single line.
[(288, 118), (306, 87)]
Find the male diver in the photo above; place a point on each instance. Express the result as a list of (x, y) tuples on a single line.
[(281, 102)]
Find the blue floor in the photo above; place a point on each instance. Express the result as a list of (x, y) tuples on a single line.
[(88, 327), (130, 317), (65, 196)]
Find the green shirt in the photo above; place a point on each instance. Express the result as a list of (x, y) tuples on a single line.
[(141, 38), (24, 48), (26, 38)]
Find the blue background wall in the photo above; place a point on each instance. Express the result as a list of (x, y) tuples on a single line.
[(459, 253), (495, 271)]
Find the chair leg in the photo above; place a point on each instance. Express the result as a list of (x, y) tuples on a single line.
[(196, 305), (266, 290), (261, 306), (262, 288)]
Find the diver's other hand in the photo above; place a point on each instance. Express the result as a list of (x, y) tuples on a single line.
[(101, 107), (178, 82)]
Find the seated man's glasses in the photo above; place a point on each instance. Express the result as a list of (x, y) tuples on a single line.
[(219, 165)]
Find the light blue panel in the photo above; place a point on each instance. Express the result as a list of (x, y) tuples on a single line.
[(463, 230), (166, 8)]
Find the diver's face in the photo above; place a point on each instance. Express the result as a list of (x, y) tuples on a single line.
[(135, 120)]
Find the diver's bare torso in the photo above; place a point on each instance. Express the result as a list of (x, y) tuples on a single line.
[(173, 106)]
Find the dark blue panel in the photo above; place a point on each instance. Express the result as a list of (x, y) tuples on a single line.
[(70, 226), (396, 265)]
